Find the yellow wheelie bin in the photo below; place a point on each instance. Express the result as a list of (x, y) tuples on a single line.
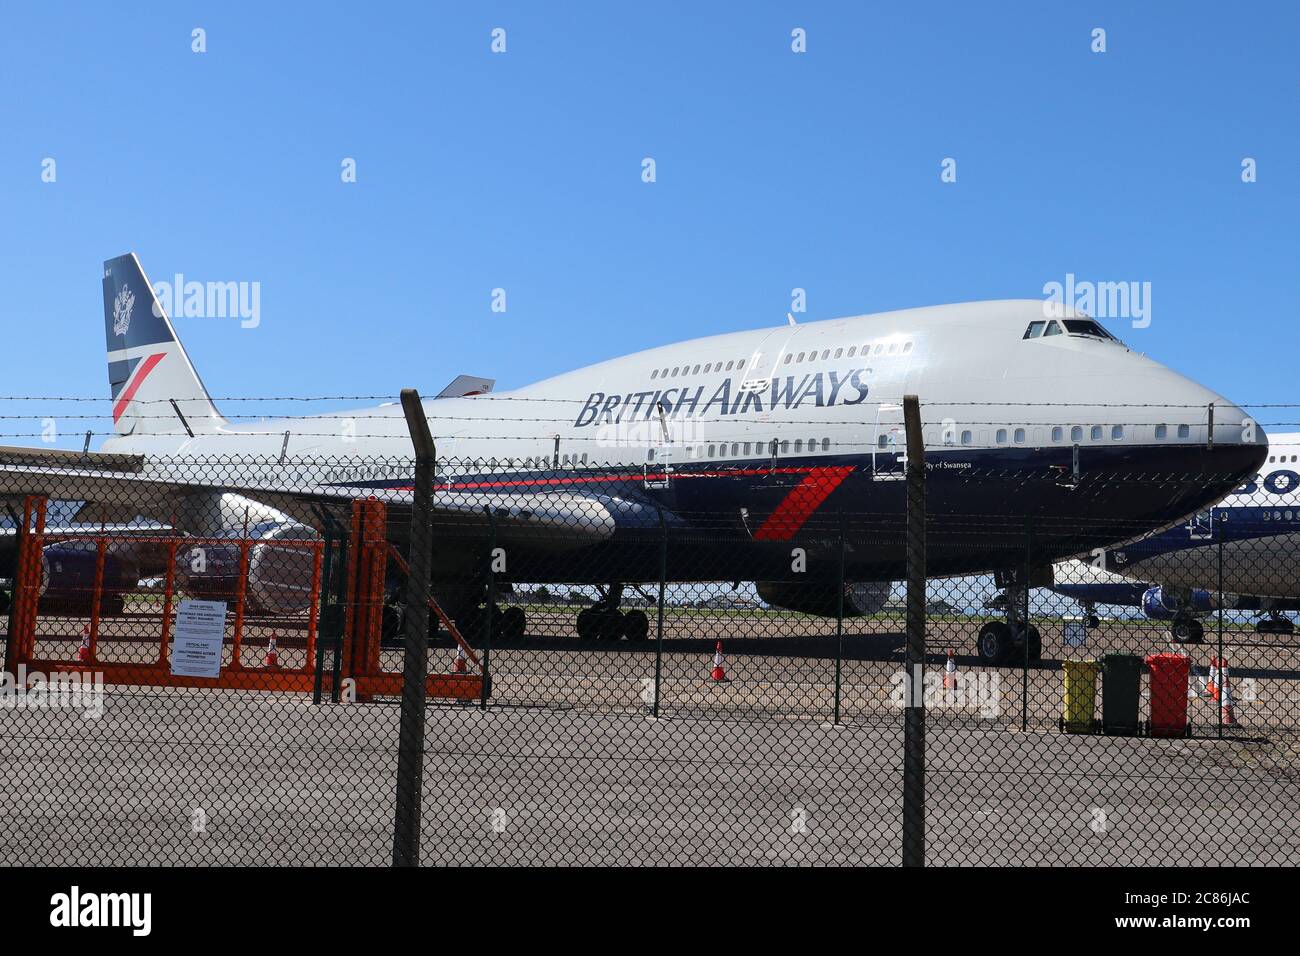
[(1080, 696)]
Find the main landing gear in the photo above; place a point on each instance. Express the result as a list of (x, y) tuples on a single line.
[(603, 621), (1186, 629), (1274, 623), (1004, 642)]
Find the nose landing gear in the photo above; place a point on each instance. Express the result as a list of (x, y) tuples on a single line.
[(1004, 642)]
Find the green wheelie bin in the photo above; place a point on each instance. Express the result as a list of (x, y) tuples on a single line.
[(1121, 683), (1079, 713)]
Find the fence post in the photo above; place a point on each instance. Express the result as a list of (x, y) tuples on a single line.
[(1024, 610), (659, 628), (1218, 535), (839, 630), (410, 746), (914, 699), (491, 608), (322, 622)]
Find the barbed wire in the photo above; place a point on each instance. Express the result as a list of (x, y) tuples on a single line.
[(587, 398)]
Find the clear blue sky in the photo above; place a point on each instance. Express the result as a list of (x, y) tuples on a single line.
[(523, 171)]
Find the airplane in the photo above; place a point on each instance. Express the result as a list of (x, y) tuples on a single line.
[(753, 443), (1174, 575)]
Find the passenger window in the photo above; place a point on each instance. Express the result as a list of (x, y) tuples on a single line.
[(1076, 433), (712, 450), (1002, 436), (1116, 432), (1058, 433), (839, 353), (697, 371), (826, 445), (893, 347), (788, 358), (735, 449), (966, 437), (798, 445), (907, 347), (1161, 432), (1020, 436), (1096, 433), (654, 373), (852, 350), (1184, 431)]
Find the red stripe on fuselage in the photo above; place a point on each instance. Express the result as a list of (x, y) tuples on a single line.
[(798, 506), (132, 386)]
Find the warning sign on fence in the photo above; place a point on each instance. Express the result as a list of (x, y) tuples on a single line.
[(200, 629)]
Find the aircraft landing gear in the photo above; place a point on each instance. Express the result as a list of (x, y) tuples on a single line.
[(1274, 623), (1004, 642), (603, 621), (1090, 615), (1187, 630)]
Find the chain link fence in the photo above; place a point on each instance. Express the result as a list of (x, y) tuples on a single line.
[(205, 664)]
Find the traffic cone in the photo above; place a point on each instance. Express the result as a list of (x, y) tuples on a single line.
[(1225, 695), (461, 664), (719, 673), (83, 652), (950, 672), (1212, 682), (272, 658)]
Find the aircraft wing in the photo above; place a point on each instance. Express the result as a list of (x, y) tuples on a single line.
[(558, 520)]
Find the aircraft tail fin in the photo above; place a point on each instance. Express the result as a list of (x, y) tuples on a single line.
[(155, 387)]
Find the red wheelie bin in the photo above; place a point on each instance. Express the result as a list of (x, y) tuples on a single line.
[(1169, 675)]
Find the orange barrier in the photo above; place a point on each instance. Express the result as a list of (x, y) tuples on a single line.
[(368, 555)]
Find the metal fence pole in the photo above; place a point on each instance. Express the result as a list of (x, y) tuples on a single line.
[(410, 747), (839, 630), (1024, 609), (659, 627), (491, 607), (322, 617), (914, 709), (1218, 528)]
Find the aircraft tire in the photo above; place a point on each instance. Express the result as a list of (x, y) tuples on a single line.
[(1189, 631), (1093, 621), (636, 626), (588, 624), (610, 626), (514, 624), (1035, 644), (994, 644)]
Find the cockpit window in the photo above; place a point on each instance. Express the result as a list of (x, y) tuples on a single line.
[(1035, 330), (1053, 328), (1086, 327)]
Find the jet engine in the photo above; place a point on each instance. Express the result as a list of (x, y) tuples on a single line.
[(822, 597), (281, 566)]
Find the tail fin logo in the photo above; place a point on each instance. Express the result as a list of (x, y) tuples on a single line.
[(122, 306)]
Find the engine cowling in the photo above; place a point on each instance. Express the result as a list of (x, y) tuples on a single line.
[(68, 571), (822, 597), (1164, 604), (281, 566)]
